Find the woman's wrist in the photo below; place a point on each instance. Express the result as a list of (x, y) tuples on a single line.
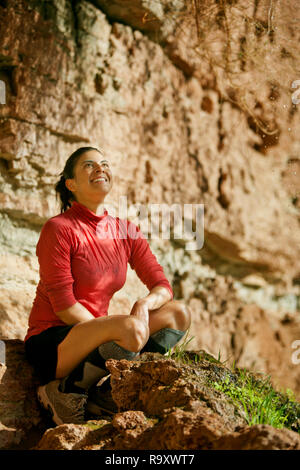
[(157, 297)]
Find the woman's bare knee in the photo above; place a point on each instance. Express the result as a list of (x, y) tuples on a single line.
[(135, 334), (127, 331), (184, 317), (181, 316), (85, 337)]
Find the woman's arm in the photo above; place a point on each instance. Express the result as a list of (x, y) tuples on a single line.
[(146, 266), (157, 297), (77, 313), (54, 251)]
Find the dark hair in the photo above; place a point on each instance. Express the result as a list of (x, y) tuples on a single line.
[(65, 195)]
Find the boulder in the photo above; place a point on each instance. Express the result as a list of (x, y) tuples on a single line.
[(21, 420), (169, 404)]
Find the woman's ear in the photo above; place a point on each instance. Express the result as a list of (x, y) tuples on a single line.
[(69, 184)]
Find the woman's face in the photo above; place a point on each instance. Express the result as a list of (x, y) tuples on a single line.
[(92, 177)]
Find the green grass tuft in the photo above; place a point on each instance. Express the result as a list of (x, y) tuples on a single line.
[(256, 398), (178, 351), (259, 401)]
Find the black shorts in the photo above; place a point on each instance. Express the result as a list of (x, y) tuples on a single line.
[(41, 351)]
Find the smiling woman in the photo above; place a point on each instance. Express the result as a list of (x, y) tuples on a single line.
[(85, 166), (70, 334), (91, 176)]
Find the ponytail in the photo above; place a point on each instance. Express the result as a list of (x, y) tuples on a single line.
[(66, 196)]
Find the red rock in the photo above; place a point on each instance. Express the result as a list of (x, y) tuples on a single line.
[(20, 415), (260, 437), (202, 423)]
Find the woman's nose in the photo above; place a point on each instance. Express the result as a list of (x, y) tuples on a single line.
[(98, 166)]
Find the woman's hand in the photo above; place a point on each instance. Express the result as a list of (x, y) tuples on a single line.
[(140, 309)]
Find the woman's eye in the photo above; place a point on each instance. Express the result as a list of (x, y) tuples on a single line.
[(92, 164)]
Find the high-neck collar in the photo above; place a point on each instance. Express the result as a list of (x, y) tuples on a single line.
[(85, 212)]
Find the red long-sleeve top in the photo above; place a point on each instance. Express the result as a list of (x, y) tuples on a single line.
[(83, 258)]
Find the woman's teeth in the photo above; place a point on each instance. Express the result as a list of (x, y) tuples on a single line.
[(100, 179)]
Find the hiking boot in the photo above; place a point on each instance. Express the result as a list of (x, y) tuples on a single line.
[(100, 401), (64, 407)]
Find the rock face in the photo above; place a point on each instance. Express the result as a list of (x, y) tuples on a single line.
[(154, 89), (167, 405), (20, 415), (182, 431)]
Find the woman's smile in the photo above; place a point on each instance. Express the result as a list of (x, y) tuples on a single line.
[(100, 179)]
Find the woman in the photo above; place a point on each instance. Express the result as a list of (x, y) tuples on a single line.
[(70, 334)]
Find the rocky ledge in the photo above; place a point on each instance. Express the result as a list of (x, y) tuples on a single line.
[(187, 401)]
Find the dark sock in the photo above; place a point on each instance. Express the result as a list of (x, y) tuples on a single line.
[(163, 340), (88, 372)]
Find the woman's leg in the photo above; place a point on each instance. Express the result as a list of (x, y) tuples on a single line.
[(127, 331), (81, 362), (168, 325), (81, 355), (173, 314)]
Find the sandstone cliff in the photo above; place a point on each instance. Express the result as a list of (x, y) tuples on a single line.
[(193, 106)]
